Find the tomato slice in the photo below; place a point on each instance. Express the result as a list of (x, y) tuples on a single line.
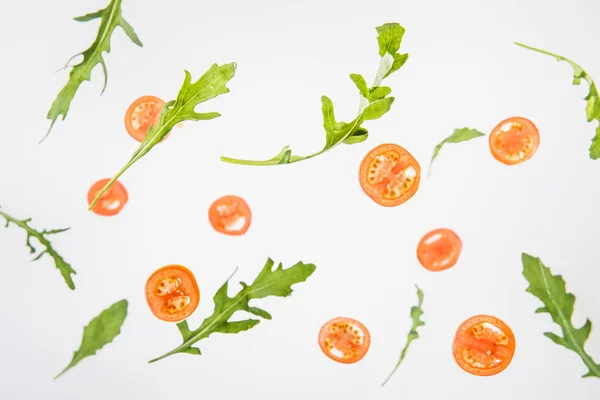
[(344, 340), (230, 215), (483, 345), (514, 140), (439, 249), (172, 293), (112, 201), (389, 175), (142, 113)]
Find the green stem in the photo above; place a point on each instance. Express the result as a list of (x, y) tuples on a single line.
[(559, 58), (170, 353)]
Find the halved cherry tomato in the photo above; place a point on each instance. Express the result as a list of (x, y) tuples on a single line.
[(514, 140), (172, 293), (439, 249), (344, 340), (483, 345), (142, 113), (389, 175), (230, 215), (112, 201)]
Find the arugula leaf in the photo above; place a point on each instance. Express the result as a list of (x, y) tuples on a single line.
[(210, 85), (551, 290), (415, 313), (65, 268), (459, 135), (269, 282), (99, 332), (592, 109), (374, 102), (110, 18)]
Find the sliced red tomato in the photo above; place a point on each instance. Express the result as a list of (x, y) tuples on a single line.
[(230, 215), (172, 293), (439, 249), (389, 175), (514, 140), (112, 201), (344, 340), (483, 345), (142, 113)]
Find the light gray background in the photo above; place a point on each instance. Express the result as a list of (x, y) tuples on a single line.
[(463, 70)]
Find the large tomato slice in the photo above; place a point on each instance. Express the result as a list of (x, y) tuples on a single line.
[(112, 201), (230, 215), (344, 340), (172, 293), (389, 175), (514, 140), (142, 113), (439, 249), (483, 345)]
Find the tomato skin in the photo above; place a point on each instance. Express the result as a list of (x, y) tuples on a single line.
[(483, 345), (389, 175), (143, 112), (344, 342), (225, 212), (111, 202), (439, 249), (514, 140), (180, 283)]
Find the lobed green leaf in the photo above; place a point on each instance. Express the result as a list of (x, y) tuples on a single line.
[(276, 282), (110, 18), (551, 290), (99, 332)]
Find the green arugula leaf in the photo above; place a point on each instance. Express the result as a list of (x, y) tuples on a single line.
[(374, 103), (551, 290), (415, 313), (110, 18), (269, 282), (65, 268), (459, 135), (592, 109), (99, 332), (210, 85)]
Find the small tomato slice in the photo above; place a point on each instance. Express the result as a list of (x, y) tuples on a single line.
[(483, 345), (112, 201), (172, 293), (344, 340), (439, 249), (389, 175), (514, 140), (142, 113), (230, 215)]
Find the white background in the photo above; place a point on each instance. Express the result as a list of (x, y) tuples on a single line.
[(463, 70)]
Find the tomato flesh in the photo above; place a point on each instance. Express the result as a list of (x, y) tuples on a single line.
[(390, 175), (483, 345), (230, 215), (142, 113), (111, 202), (514, 140), (344, 340), (172, 293), (439, 249)]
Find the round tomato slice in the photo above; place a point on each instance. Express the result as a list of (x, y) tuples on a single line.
[(483, 345), (344, 340), (142, 113), (439, 249), (172, 293), (389, 175), (112, 201), (514, 140), (230, 215)]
